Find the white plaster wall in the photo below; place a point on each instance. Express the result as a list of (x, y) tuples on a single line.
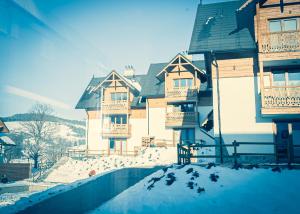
[(240, 113), (157, 128), (138, 130), (95, 141)]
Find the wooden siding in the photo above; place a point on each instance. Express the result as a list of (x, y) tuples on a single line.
[(157, 103), (138, 113), (242, 67)]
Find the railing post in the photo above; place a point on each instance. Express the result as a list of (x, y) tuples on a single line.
[(189, 153), (235, 152), (178, 155)]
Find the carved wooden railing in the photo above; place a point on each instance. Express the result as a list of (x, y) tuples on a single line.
[(183, 93), (281, 97), (181, 119), (118, 130), (280, 42), (117, 105)]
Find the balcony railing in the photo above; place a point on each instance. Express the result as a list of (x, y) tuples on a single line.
[(181, 119), (116, 130), (280, 42), (115, 106), (282, 97), (182, 93)]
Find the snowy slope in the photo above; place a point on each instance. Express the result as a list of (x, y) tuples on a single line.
[(64, 130), (73, 170), (234, 191)]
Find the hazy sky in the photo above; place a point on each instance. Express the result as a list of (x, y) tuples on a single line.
[(50, 49)]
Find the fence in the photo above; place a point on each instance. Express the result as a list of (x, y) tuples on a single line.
[(81, 153), (185, 153)]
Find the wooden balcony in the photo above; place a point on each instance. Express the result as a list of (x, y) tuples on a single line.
[(116, 130), (181, 119), (280, 42), (115, 107), (182, 94), (281, 100)]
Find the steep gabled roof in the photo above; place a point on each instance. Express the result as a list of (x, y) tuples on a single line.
[(152, 87), (219, 28), (90, 98), (3, 128), (178, 59)]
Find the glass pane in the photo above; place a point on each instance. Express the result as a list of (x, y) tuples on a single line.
[(290, 24), (190, 82), (118, 119), (183, 83), (275, 26), (124, 119), (112, 119), (113, 96), (111, 143), (124, 96), (279, 78), (294, 78), (176, 83)]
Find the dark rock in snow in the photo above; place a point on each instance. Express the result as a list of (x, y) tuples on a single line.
[(213, 177), (192, 178), (276, 169), (171, 178), (189, 170), (191, 184), (195, 174), (200, 189), (210, 165)]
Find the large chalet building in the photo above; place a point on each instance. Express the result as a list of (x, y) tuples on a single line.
[(247, 88), (163, 107)]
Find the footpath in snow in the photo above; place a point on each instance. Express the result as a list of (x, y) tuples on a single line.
[(196, 189)]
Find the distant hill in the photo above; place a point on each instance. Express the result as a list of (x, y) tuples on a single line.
[(50, 118), (70, 130)]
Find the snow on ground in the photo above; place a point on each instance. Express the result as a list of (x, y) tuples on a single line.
[(196, 189), (12, 192), (73, 169)]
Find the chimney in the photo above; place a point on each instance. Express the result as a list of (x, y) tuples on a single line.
[(129, 71)]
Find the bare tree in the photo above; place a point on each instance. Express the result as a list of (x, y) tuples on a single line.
[(38, 132)]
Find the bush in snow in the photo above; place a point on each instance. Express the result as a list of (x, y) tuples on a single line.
[(210, 165), (276, 169), (190, 184), (92, 173), (195, 174)]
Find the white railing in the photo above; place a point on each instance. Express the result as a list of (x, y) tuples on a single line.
[(181, 118), (280, 42), (278, 97)]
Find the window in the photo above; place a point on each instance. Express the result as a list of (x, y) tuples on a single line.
[(186, 82), (118, 119), (287, 77), (283, 25), (118, 96), (279, 78), (186, 107)]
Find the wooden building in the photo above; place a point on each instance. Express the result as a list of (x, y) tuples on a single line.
[(252, 54)]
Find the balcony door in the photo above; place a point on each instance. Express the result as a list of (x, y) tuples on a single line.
[(117, 146), (287, 141)]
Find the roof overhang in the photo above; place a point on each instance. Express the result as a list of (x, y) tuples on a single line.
[(178, 60), (3, 127), (6, 141)]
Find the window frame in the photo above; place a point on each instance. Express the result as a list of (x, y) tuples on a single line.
[(181, 80), (121, 95), (282, 24)]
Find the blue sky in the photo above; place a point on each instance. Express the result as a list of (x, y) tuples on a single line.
[(50, 49)]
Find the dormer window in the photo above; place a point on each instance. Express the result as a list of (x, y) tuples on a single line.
[(183, 83), (118, 96), (281, 25)]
